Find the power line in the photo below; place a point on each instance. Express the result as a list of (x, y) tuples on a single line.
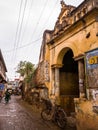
[(17, 26), (27, 18), (18, 30), (28, 44), (51, 13), (19, 34), (39, 18)]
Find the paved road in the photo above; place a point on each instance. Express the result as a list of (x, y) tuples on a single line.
[(18, 115)]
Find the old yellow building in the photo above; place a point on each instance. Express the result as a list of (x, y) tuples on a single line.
[(65, 54)]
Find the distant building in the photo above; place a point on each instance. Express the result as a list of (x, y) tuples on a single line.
[(14, 83)]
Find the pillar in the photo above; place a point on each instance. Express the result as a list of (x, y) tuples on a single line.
[(53, 82), (57, 84), (81, 70)]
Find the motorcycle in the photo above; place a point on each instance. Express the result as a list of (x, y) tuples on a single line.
[(7, 96)]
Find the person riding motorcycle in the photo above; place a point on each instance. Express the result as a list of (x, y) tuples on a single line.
[(7, 96)]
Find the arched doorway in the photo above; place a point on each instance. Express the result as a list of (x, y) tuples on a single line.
[(69, 81)]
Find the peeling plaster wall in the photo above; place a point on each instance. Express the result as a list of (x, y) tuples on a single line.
[(86, 119)]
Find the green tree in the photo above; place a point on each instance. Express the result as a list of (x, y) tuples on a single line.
[(26, 69), (21, 68)]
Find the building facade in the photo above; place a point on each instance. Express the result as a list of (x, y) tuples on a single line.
[(3, 71), (70, 51)]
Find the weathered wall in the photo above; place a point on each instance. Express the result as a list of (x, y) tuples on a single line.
[(76, 40), (86, 119), (79, 36)]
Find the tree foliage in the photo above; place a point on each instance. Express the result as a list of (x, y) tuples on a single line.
[(21, 68), (26, 69)]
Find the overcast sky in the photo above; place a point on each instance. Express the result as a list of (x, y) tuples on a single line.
[(22, 23)]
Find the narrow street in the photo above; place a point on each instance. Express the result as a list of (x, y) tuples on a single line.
[(19, 115)]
